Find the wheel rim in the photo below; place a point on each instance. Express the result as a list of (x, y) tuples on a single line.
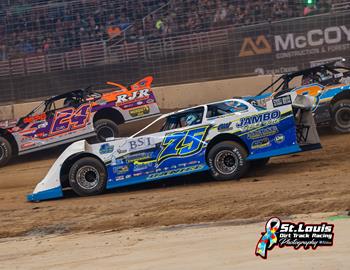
[(226, 162), (104, 133), (88, 177), (343, 117)]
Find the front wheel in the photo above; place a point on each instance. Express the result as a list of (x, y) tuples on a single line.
[(88, 177), (227, 160), (5, 151), (105, 128), (341, 116)]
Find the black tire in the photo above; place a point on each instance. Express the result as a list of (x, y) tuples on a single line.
[(104, 129), (259, 163), (5, 151), (341, 116), (88, 177), (222, 155)]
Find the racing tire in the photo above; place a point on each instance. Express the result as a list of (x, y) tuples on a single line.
[(259, 163), (88, 177), (227, 160), (104, 129), (341, 116), (5, 151)]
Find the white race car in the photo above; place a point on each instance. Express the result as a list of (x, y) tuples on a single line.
[(225, 138)]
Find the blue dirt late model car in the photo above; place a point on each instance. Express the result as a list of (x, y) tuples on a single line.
[(327, 84), (225, 138)]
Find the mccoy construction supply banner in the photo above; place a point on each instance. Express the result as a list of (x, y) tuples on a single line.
[(293, 44)]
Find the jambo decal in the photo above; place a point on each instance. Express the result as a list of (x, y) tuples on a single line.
[(258, 120), (297, 235)]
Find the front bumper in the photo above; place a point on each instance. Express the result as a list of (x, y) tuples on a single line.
[(53, 193)]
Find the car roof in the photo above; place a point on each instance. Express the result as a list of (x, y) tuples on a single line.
[(202, 105)]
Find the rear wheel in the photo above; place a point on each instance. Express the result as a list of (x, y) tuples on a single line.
[(341, 116), (105, 128), (88, 177), (227, 160), (5, 151)]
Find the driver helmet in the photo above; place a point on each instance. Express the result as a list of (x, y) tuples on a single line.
[(307, 79), (67, 102), (191, 119)]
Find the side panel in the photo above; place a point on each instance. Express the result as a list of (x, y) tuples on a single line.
[(265, 134), (57, 127), (161, 156)]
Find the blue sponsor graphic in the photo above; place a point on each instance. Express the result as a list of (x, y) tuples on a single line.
[(225, 126), (106, 148)]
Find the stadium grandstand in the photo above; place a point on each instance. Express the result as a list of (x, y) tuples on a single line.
[(42, 27)]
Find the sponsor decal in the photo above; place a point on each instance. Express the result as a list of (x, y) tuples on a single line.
[(30, 119), (225, 127), (175, 172), (139, 156), (139, 111), (257, 46), (264, 132), (279, 138), (262, 143), (121, 151), (27, 145), (136, 95), (296, 235), (120, 178), (315, 41), (106, 148), (141, 167), (120, 169), (282, 101), (140, 143), (259, 120)]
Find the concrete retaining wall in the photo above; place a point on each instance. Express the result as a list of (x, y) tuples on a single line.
[(177, 96)]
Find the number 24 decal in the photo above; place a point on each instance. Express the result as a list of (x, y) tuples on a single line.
[(182, 143), (70, 119)]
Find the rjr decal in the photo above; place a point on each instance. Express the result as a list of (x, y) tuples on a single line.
[(141, 94), (182, 143)]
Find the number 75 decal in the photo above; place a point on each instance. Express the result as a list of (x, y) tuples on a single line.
[(182, 143), (69, 119)]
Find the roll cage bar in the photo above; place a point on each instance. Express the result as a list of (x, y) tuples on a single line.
[(286, 78)]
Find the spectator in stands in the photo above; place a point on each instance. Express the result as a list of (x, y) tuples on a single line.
[(36, 26)]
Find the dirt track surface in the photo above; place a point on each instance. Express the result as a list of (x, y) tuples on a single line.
[(218, 246), (309, 182)]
